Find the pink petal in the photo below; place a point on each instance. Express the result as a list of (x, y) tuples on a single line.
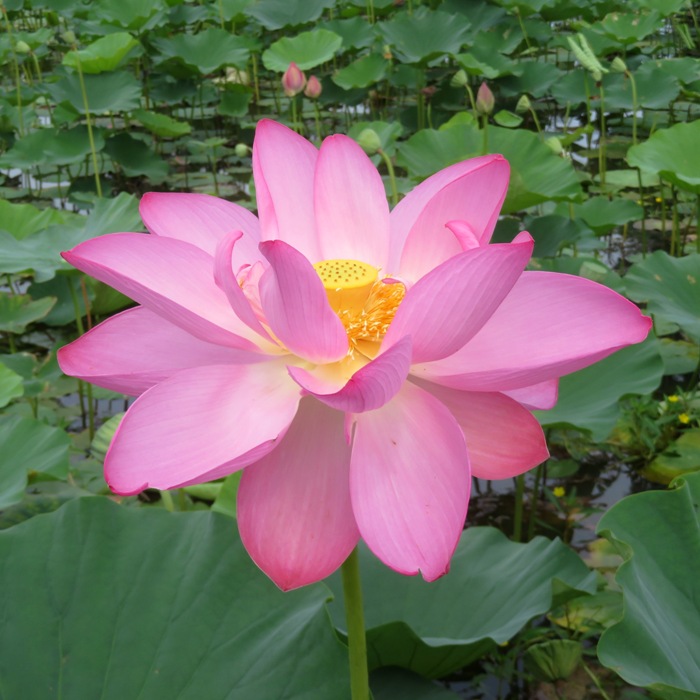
[(549, 325), (283, 168), (542, 396), (201, 220), (503, 438), (134, 350), (172, 278), (294, 513), (409, 482), (471, 192), (447, 307), (352, 213), (368, 389), (226, 280), (296, 306), (464, 233), (201, 424)]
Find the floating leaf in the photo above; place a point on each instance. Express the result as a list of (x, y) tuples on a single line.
[(673, 153), (678, 459), (27, 445), (603, 214), (655, 644), (307, 50), (159, 605), (434, 628), (104, 54)]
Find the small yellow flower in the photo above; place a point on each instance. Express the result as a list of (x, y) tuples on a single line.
[(658, 200), (559, 491), (673, 398), (684, 418)]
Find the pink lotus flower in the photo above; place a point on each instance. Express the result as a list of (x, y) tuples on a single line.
[(293, 80), (360, 364), (485, 101)]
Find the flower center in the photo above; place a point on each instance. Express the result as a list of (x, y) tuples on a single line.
[(365, 304)]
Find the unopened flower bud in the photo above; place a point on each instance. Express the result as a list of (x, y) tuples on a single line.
[(68, 37), (386, 52), (523, 105), (459, 79), (241, 150), (485, 101), (618, 65), (313, 88), (369, 141), (293, 80), (22, 47), (554, 144)]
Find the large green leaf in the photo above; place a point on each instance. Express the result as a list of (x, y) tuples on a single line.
[(670, 287), (537, 174), (273, 14), (307, 50), (52, 147), (26, 446), (162, 124), (589, 399), (425, 35), (136, 158), (362, 73), (494, 587), (18, 311), (104, 54), (22, 220), (399, 684), (11, 385), (629, 28), (656, 643), (208, 50), (673, 153), (118, 91), (128, 603), (131, 14)]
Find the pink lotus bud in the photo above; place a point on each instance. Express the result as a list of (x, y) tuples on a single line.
[(485, 101), (293, 80), (313, 88)]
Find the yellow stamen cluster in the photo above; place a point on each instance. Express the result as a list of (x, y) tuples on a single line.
[(365, 304)]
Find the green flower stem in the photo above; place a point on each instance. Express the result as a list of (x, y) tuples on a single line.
[(470, 94), (354, 613), (82, 386), (88, 121), (533, 502), (168, 502), (484, 134), (602, 145), (392, 177), (518, 512), (15, 63), (317, 121)]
